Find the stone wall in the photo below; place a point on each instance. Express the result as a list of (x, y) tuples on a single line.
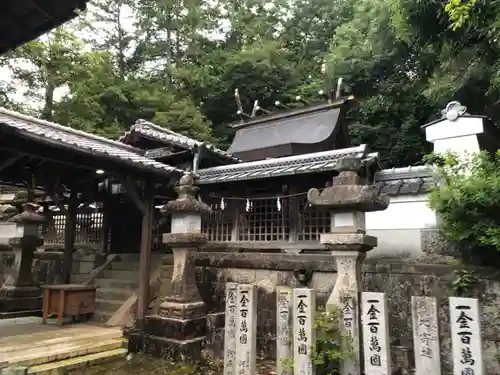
[(48, 265), (399, 279)]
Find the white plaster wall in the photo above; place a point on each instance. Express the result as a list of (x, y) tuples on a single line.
[(398, 227), (457, 136), (404, 212)]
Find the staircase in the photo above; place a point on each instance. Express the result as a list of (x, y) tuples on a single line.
[(116, 284), (56, 350), (119, 281)]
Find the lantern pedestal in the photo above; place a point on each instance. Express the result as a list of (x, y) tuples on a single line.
[(19, 291), (179, 330), (349, 198)]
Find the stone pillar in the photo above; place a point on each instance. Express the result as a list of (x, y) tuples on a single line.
[(179, 329), (19, 291), (349, 198)]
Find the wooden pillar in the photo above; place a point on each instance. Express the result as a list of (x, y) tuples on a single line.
[(69, 236), (145, 257), (106, 226)]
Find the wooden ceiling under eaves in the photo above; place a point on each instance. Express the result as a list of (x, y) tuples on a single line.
[(25, 20)]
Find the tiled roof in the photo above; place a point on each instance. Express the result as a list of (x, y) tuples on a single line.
[(291, 165), (31, 127), (22, 21), (156, 132), (405, 181)]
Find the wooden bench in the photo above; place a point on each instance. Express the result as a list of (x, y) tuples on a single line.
[(68, 300)]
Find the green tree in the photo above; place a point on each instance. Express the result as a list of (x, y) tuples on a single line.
[(466, 201), (46, 64)]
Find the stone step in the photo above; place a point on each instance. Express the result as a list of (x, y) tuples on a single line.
[(117, 294), (66, 350), (110, 283), (12, 345), (100, 316), (107, 305), (124, 266), (133, 257), (61, 367), (121, 274)]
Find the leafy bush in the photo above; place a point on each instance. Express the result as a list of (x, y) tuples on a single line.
[(467, 201), (331, 346)]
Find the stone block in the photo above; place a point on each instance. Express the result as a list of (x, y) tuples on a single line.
[(184, 351), (348, 240), (178, 329)]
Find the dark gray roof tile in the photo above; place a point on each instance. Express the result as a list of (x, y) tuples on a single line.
[(405, 181), (290, 165), (89, 143), (156, 132)]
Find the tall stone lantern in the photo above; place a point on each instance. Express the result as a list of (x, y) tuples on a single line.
[(181, 321), (349, 198), (19, 291)]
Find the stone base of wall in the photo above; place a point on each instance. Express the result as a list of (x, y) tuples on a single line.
[(398, 278), (48, 265)]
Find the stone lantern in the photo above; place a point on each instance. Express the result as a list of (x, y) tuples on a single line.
[(20, 233), (179, 329), (349, 198)]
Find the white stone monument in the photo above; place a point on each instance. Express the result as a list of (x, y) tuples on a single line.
[(375, 327), (304, 335), (230, 329), (426, 336), (284, 330), (246, 330), (466, 336)]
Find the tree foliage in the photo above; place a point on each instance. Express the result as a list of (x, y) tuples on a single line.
[(467, 201)]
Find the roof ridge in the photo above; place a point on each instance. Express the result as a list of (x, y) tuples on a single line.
[(66, 129), (363, 148), (160, 128), (167, 132), (292, 112)]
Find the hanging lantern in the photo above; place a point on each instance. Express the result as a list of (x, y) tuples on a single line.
[(278, 204), (248, 206), (222, 204)]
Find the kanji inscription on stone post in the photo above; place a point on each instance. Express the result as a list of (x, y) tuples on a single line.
[(284, 331), (466, 336), (374, 321), (426, 336), (304, 336), (246, 330), (230, 331)]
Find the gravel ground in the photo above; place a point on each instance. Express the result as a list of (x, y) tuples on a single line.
[(144, 365)]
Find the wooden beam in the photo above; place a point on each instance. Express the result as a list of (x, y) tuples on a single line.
[(106, 225), (7, 163), (145, 256), (132, 193), (69, 237), (157, 153)]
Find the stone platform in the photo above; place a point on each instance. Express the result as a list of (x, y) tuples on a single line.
[(25, 342)]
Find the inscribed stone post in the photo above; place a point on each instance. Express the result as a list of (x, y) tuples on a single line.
[(304, 335), (375, 325), (345, 297), (466, 336), (284, 330), (230, 331), (426, 336), (246, 330)]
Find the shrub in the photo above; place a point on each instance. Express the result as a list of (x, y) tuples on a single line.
[(467, 202)]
